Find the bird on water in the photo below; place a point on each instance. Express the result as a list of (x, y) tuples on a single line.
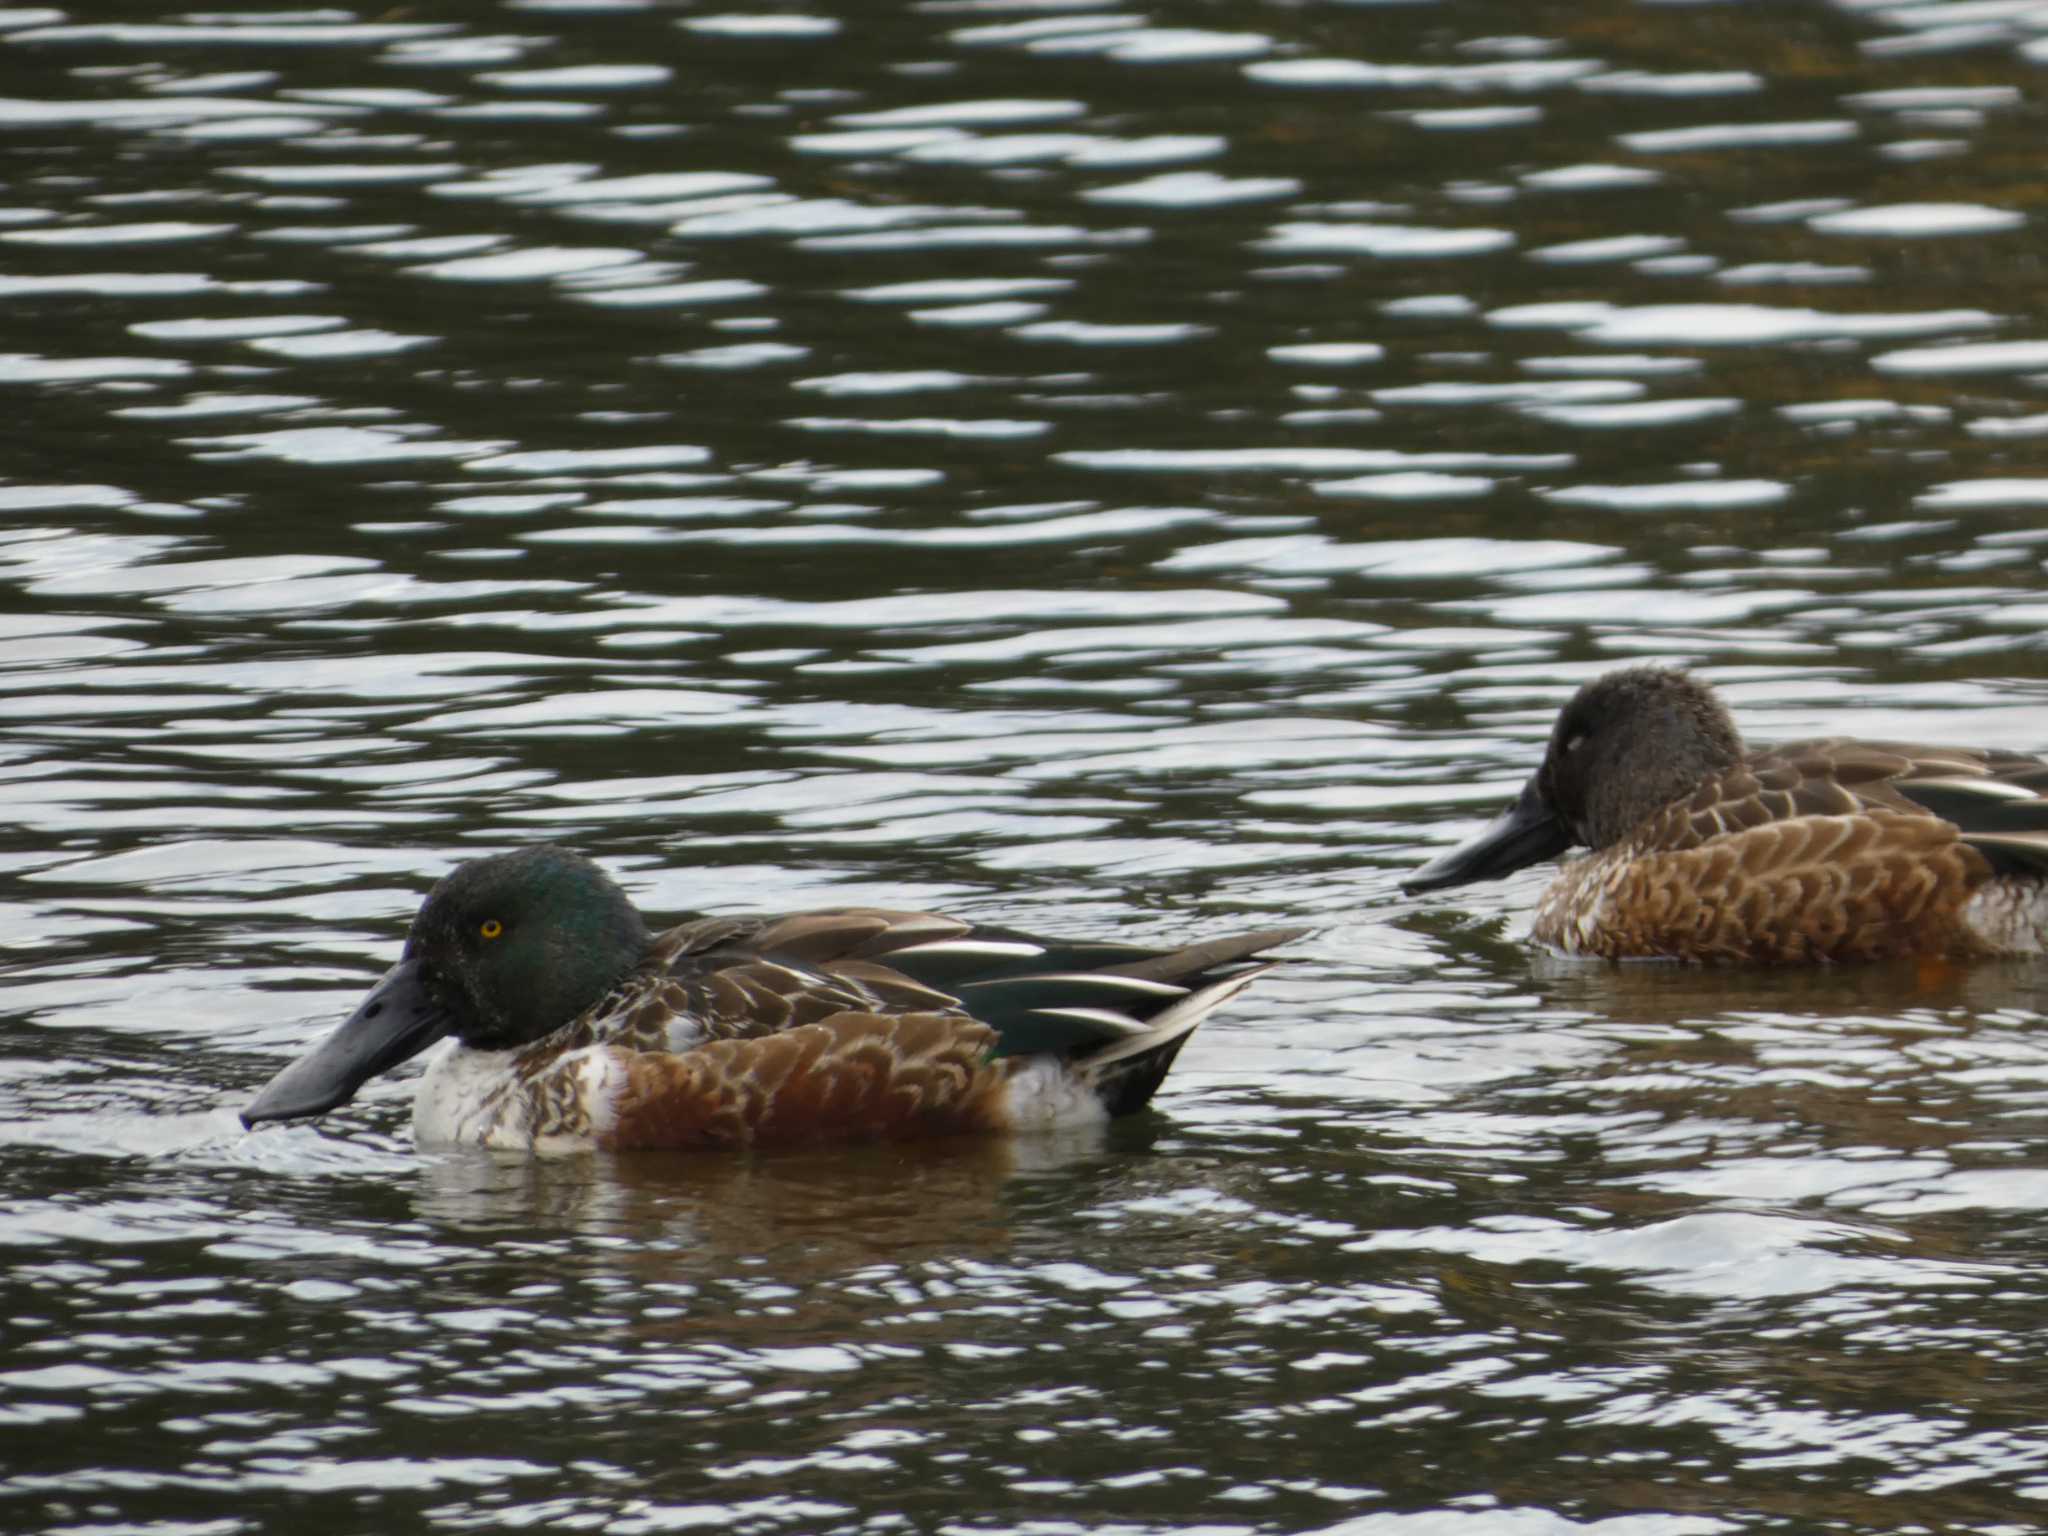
[(576, 1025), (1705, 848)]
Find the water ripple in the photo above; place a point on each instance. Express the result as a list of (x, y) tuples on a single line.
[(1134, 476)]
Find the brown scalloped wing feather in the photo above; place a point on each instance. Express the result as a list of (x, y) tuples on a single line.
[(814, 938), (1828, 777), (855, 1076), (853, 933), (745, 978), (1827, 886)]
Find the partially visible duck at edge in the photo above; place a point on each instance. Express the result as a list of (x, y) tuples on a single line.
[(575, 1025), (1706, 849)]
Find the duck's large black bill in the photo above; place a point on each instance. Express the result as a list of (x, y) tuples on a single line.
[(396, 1021), (1526, 833)]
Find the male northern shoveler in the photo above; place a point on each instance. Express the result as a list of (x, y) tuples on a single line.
[(575, 1026), (1703, 849)]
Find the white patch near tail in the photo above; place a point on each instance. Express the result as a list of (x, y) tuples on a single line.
[(1049, 1095), (2010, 915), (1044, 1094)]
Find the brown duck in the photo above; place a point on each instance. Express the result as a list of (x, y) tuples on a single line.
[(1706, 849), (575, 1025)]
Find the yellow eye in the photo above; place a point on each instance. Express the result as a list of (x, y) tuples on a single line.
[(491, 928)]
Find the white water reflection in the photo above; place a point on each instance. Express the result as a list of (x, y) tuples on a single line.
[(1730, 324)]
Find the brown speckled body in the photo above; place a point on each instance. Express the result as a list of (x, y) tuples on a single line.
[(856, 1076), (565, 1021), (781, 1031), (728, 978), (1810, 851)]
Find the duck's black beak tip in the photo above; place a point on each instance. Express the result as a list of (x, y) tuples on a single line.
[(1527, 832), (395, 1022)]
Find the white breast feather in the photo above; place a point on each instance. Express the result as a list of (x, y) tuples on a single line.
[(471, 1099), (462, 1096)]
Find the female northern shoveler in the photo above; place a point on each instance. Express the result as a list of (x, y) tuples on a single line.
[(1703, 849), (575, 1026)]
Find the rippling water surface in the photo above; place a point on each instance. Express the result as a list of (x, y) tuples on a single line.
[(1125, 471)]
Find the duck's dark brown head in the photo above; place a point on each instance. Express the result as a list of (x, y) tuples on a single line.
[(1625, 746)]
